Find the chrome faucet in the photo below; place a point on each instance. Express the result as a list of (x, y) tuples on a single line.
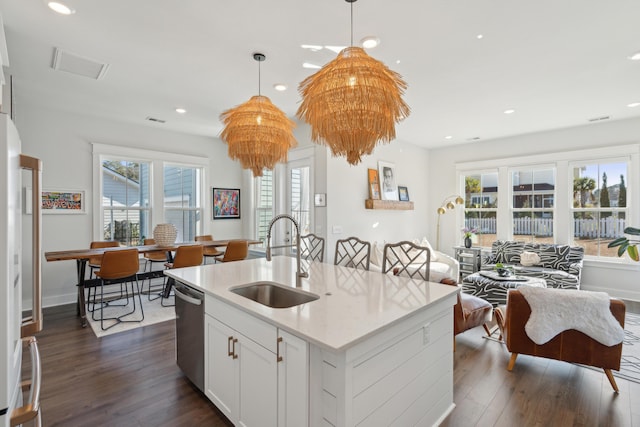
[(300, 273)]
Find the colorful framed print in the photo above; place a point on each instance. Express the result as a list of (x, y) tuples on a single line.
[(226, 203), (63, 202)]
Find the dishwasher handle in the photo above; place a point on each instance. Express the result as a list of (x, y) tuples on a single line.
[(187, 298)]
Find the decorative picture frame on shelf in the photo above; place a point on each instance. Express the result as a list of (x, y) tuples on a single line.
[(374, 184), (403, 194), (387, 173), (63, 202), (226, 203)]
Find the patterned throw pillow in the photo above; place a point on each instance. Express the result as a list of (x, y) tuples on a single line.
[(555, 256), (506, 252)]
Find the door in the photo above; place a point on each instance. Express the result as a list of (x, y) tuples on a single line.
[(258, 382), (220, 367), (293, 381), (300, 186)]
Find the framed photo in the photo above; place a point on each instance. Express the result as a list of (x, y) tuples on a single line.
[(226, 203), (63, 202), (374, 184), (388, 177), (403, 193)]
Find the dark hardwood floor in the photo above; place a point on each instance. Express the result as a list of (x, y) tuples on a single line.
[(131, 379)]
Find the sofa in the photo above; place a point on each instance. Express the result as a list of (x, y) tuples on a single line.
[(441, 265), (559, 265)]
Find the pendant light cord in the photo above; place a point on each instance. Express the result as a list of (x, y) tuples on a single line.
[(259, 94), (351, 24)]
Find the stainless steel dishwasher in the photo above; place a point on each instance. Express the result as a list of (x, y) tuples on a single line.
[(190, 333)]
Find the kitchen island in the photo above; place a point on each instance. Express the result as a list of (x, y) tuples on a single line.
[(372, 349)]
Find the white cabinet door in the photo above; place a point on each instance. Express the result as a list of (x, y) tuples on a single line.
[(293, 381), (220, 367), (258, 383)]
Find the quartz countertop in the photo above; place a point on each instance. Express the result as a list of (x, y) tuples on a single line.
[(353, 304)]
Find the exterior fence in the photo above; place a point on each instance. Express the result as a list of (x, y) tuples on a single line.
[(609, 227)]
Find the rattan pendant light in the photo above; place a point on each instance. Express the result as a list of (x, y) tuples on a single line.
[(258, 134), (352, 103)]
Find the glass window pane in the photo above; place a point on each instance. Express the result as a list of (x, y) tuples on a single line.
[(187, 222), (485, 223), (129, 227), (300, 198)]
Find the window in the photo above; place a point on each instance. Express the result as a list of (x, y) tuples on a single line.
[(533, 195), (300, 198), (136, 189), (264, 204), (599, 205), (125, 201), (481, 203), (182, 201)]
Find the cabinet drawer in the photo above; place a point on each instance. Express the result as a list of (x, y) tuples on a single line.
[(253, 328)]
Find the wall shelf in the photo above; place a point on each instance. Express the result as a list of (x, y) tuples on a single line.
[(394, 205)]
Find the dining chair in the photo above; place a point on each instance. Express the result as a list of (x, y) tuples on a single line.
[(406, 259), (95, 262), (312, 247), (186, 256), (353, 252), (118, 267), (149, 259), (237, 250), (209, 251)]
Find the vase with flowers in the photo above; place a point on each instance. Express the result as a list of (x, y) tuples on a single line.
[(468, 233)]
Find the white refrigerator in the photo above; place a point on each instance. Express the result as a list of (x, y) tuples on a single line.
[(15, 330)]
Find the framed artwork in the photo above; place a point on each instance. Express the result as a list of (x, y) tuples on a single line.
[(226, 203), (388, 177), (63, 202), (374, 184), (403, 193)]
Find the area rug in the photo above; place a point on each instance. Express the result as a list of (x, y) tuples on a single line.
[(154, 312), (630, 363)]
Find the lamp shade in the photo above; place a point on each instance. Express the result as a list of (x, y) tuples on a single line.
[(258, 134), (352, 103)]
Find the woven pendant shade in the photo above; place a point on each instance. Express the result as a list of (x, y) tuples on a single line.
[(352, 103), (258, 134)]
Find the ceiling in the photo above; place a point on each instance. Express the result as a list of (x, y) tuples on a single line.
[(556, 63)]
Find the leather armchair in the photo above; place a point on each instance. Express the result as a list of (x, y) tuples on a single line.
[(569, 346), (469, 312)]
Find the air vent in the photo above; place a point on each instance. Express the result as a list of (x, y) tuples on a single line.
[(153, 119), (74, 64), (599, 119)]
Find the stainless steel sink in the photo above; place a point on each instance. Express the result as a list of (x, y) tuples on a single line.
[(273, 295)]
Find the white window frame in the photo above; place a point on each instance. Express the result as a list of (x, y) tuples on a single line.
[(157, 159), (564, 196), (533, 169)]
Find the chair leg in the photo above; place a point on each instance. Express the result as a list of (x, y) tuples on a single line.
[(454, 343), (612, 380), (512, 361), (166, 292), (486, 328)]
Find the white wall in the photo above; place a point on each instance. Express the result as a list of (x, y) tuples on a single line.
[(618, 280), (347, 189), (63, 142)]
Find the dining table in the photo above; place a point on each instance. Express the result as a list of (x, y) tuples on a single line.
[(82, 256)]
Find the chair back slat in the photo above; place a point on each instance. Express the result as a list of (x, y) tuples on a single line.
[(312, 247), (406, 259)]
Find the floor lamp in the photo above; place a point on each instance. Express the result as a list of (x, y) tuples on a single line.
[(447, 204)]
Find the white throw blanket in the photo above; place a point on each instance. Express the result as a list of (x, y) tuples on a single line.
[(557, 310)]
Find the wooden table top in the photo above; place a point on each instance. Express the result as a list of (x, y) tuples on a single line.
[(88, 253)]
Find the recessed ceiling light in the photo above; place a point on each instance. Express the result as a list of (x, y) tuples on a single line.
[(509, 111), (370, 42), (635, 56), (280, 87), (448, 137), (397, 61), (60, 8), (180, 110), (634, 104), (479, 36), (311, 47), (310, 65)]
